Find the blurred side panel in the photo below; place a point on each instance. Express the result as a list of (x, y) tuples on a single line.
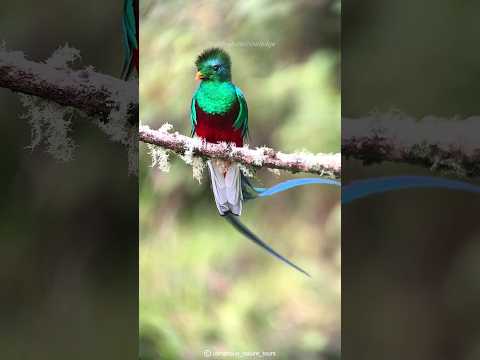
[(410, 256), (68, 228)]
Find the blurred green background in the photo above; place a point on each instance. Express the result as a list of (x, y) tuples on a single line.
[(202, 285), (410, 258), (68, 231)]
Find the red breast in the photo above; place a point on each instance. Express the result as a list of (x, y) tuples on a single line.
[(217, 128)]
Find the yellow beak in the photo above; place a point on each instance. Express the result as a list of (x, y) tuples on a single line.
[(199, 76)]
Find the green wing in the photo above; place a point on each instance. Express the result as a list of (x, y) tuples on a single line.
[(193, 113), (242, 119), (129, 36)]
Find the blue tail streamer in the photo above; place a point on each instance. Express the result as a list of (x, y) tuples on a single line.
[(290, 184), (354, 191), (364, 188)]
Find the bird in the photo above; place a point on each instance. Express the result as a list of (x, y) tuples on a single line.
[(130, 38), (219, 113)]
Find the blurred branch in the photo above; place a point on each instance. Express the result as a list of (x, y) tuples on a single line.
[(448, 146), (93, 93), (98, 94), (445, 145), (325, 165)]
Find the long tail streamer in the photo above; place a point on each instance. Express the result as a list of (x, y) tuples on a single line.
[(363, 188), (290, 184), (251, 192), (354, 191), (251, 236)]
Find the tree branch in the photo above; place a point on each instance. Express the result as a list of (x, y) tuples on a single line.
[(448, 146), (325, 165), (93, 93), (445, 145)]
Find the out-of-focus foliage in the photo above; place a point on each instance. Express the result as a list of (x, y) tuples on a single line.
[(68, 230), (202, 285), (410, 257)]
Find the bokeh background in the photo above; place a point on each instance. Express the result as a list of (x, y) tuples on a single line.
[(410, 258), (68, 230), (202, 285)]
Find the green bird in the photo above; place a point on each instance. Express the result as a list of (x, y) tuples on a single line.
[(219, 113), (130, 37)]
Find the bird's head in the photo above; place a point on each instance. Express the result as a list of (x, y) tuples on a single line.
[(213, 65)]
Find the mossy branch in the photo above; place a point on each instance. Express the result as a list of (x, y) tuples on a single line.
[(86, 90), (446, 146), (443, 145), (325, 165)]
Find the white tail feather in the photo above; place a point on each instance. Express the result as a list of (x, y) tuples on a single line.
[(226, 186)]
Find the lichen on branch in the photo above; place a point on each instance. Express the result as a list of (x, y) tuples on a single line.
[(325, 165), (446, 146), (56, 90), (52, 88), (84, 89)]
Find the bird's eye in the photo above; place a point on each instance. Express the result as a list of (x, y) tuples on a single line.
[(216, 67)]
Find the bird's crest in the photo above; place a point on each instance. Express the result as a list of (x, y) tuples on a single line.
[(212, 54)]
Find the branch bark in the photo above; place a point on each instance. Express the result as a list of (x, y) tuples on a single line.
[(86, 90), (445, 145), (448, 146), (325, 165)]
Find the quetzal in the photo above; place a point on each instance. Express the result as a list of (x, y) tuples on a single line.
[(219, 113), (130, 37)]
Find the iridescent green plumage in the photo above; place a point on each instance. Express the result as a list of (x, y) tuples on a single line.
[(242, 119), (216, 97), (211, 54), (130, 37)]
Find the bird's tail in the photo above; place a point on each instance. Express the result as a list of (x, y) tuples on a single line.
[(251, 192), (127, 68), (363, 188), (130, 37), (230, 187), (226, 186), (232, 219)]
